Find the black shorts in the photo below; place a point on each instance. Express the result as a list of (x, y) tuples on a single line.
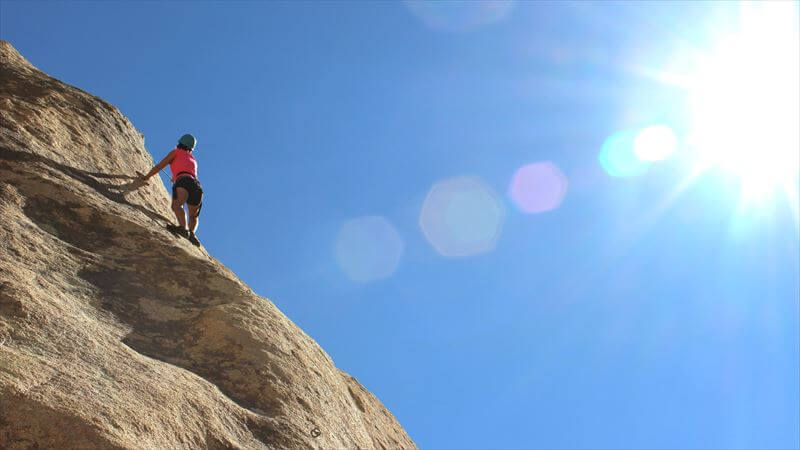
[(192, 186)]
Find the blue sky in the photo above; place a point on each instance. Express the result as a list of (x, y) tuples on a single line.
[(433, 193)]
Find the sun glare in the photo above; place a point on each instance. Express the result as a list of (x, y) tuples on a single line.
[(655, 143), (745, 100)]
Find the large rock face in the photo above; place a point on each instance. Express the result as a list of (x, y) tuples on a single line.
[(115, 333)]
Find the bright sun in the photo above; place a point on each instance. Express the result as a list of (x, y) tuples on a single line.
[(745, 100)]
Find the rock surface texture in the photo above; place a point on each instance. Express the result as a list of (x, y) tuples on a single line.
[(115, 333)]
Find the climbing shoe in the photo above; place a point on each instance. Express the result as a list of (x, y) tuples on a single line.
[(179, 230), (193, 239)]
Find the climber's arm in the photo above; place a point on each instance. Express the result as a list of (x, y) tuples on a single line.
[(167, 159)]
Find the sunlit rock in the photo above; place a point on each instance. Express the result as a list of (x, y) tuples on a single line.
[(114, 333)]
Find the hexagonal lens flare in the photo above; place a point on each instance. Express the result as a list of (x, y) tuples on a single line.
[(618, 157), (538, 187), (462, 216), (368, 248), (456, 16)]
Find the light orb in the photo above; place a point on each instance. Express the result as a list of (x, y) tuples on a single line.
[(459, 15), (462, 216), (655, 143), (368, 248), (617, 156), (538, 187)]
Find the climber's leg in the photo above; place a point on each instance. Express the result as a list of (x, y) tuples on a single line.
[(178, 199)]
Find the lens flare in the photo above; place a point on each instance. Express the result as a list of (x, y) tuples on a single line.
[(462, 216), (655, 143), (538, 188), (368, 248), (618, 158), (458, 15)]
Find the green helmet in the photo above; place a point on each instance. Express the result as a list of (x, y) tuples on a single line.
[(188, 141)]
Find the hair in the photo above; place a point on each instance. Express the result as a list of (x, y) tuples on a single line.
[(183, 147)]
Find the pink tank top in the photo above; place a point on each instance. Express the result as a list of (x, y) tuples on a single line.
[(183, 164)]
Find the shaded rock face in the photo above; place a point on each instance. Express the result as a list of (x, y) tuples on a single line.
[(115, 333)]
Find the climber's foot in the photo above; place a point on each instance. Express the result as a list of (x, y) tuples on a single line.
[(179, 230)]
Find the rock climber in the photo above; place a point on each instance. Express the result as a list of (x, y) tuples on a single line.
[(186, 189)]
